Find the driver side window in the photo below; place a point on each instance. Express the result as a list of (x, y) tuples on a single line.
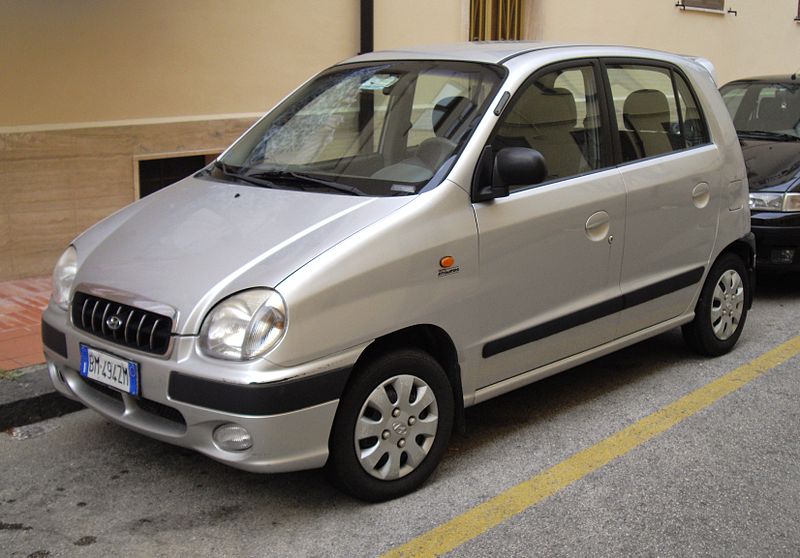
[(557, 114)]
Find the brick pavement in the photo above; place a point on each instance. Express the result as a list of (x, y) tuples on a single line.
[(21, 305)]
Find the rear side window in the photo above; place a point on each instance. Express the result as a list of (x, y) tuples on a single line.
[(655, 110)]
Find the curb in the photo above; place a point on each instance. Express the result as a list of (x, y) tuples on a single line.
[(28, 396)]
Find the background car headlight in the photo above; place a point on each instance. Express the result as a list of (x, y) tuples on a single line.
[(766, 202), (64, 276), (244, 326), (762, 201)]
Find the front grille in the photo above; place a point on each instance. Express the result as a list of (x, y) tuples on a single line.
[(138, 329)]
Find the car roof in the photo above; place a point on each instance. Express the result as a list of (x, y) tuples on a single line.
[(493, 52)]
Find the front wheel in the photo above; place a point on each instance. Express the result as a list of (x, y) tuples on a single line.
[(392, 426), (722, 308)]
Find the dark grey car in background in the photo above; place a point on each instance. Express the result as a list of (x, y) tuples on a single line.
[(766, 114)]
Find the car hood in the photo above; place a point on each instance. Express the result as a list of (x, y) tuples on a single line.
[(772, 166), (197, 241)]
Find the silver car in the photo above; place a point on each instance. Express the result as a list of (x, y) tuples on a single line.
[(408, 234)]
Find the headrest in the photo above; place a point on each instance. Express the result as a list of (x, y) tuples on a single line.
[(646, 109), (548, 107)]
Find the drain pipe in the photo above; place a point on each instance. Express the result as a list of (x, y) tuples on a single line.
[(366, 101), (367, 26)]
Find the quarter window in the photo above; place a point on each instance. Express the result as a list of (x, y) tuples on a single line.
[(655, 113), (693, 129), (558, 114)]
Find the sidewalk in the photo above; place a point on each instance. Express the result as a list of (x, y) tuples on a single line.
[(21, 305), (26, 394)]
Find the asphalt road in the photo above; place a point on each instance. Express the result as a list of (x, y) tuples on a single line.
[(723, 482)]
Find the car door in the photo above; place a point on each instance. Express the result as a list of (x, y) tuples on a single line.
[(549, 254), (672, 177)]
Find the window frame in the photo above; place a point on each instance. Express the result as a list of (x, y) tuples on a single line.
[(673, 69), (606, 139), (696, 5)]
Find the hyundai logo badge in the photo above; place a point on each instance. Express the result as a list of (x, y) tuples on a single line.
[(114, 323)]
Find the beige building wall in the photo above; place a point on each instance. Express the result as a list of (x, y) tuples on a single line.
[(68, 61), (405, 23), (762, 38)]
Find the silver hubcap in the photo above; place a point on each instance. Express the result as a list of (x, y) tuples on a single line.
[(396, 427), (727, 305)]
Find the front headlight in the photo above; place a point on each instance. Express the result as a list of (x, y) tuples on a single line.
[(64, 276), (760, 201), (244, 326)]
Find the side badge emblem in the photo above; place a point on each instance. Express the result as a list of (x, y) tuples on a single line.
[(447, 266)]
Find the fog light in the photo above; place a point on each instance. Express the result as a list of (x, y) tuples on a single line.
[(782, 255), (232, 437)]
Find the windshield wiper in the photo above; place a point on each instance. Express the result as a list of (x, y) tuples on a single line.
[(299, 177), (779, 136), (256, 181)]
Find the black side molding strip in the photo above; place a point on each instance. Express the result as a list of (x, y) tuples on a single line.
[(53, 339), (552, 327), (258, 399), (665, 287), (586, 315)]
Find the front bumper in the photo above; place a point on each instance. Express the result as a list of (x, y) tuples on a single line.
[(777, 241), (185, 397)]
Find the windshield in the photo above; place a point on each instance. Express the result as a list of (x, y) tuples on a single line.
[(378, 129), (763, 108)]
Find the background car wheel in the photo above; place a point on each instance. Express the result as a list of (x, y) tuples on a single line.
[(722, 308), (392, 426)]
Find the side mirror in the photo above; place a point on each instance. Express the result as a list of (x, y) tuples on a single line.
[(518, 166), (512, 166)]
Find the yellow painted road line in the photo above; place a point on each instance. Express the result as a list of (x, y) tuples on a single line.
[(517, 499)]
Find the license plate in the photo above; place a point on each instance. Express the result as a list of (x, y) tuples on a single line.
[(110, 370)]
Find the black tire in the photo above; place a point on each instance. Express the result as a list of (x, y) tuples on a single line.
[(700, 333), (344, 464)]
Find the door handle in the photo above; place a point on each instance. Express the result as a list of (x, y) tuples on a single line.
[(701, 195), (597, 226)]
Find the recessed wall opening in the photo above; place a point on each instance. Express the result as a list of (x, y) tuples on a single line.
[(161, 171)]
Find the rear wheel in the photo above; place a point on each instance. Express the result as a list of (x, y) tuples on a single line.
[(392, 426), (721, 311)]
